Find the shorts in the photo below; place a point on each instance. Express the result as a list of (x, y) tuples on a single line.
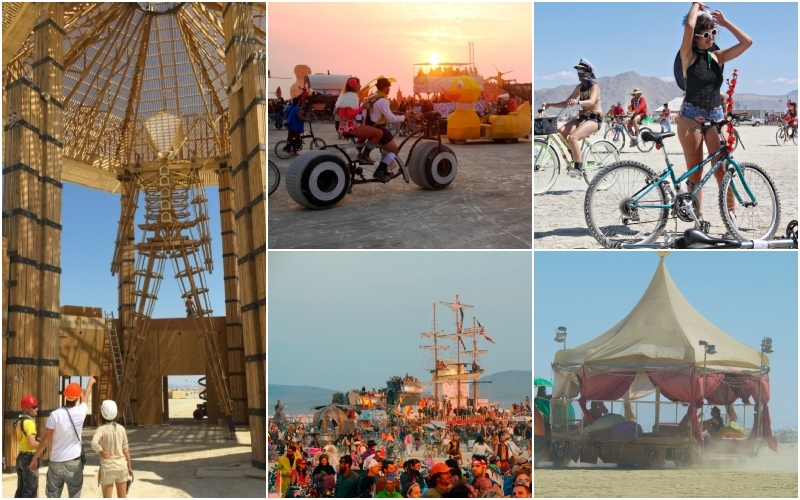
[(689, 110), (387, 136), (591, 116), (113, 477)]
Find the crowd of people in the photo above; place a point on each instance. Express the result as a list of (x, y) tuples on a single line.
[(369, 468), (490, 472), (449, 71)]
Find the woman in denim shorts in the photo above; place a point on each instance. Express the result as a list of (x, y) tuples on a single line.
[(702, 72)]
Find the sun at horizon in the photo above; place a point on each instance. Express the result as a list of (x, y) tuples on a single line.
[(434, 58)]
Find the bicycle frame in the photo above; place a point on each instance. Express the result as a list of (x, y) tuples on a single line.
[(676, 181)]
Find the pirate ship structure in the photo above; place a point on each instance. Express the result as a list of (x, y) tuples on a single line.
[(451, 377)]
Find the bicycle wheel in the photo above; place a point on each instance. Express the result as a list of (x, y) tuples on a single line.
[(596, 157), (751, 221), (274, 177), (317, 143), (312, 117), (616, 137), (284, 149), (613, 217), (780, 136), (545, 166), (643, 146)]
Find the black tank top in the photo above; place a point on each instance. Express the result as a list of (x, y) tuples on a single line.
[(703, 84)]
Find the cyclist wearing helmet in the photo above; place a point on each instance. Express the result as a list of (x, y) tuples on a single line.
[(587, 95), (702, 71), (25, 427)]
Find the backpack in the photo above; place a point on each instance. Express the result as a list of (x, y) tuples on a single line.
[(20, 420), (368, 114)]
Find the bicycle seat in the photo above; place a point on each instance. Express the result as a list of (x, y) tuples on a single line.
[(694, 238), (649, 135)]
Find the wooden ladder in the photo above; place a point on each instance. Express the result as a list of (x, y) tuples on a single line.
[(116, 358)]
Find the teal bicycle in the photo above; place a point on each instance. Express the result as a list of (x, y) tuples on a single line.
[(636, 208)]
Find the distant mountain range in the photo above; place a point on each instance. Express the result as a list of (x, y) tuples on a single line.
[(614, 89), (506, 388)]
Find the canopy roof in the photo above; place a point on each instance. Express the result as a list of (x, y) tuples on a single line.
[(662, 333), (126, 62)]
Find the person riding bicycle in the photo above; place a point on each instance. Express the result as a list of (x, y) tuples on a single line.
[(295, 123), (348, 108), (791, 117), (590, 117), (379, 114), (638, 109), (702, 72)]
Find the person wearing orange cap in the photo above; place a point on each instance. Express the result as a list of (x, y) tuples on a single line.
[(63, 430), (25, 427), (438, 481)]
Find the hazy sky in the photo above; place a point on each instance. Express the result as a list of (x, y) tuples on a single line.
[(340, 320), (748, 295), (644, 37), (90, 219), (377, 38)]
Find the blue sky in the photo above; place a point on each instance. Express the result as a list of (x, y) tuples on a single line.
[(644, 37), (748, 295), (340, 320), (90, 219)]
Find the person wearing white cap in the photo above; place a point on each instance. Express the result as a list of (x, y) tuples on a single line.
[(590, 118), (110, 441)]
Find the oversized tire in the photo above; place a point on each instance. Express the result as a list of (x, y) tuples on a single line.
[(198, 414), (284, 150), (430, 168), (318, 179)]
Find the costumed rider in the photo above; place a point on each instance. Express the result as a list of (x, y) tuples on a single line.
[(378, 116)]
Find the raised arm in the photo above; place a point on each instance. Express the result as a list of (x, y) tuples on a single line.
[(731, 53), (688, 33)]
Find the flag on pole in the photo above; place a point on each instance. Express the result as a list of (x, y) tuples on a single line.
[(483, 332)]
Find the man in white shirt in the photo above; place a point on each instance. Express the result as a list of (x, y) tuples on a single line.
[(379, 114), (63, 430)]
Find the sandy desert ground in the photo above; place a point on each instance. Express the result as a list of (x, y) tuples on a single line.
[(772, 475), (185, 459), (559, 221)]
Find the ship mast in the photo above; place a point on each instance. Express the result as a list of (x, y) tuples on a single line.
[(435, 334)]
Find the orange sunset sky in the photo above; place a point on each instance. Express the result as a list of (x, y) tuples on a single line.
[(372, 39)]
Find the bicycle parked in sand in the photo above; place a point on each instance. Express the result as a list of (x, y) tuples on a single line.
[(641, 202), (549, 147)]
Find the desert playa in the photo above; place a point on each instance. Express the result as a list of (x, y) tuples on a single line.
[(772, 475)]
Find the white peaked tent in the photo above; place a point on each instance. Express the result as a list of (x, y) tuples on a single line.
[(662, 333)]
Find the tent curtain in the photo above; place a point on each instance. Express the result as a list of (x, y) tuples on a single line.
[(606, 386), (687, 388)]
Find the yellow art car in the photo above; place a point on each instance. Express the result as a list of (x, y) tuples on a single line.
[(465, 124)]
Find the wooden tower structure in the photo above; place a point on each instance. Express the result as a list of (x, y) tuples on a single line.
[(156, 102)]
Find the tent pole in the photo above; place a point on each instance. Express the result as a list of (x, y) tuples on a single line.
[(658, 408)]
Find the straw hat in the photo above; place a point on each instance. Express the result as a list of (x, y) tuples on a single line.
[(636, 91)]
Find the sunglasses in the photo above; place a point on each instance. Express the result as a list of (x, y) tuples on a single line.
[(523, 480), (707, 34)]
